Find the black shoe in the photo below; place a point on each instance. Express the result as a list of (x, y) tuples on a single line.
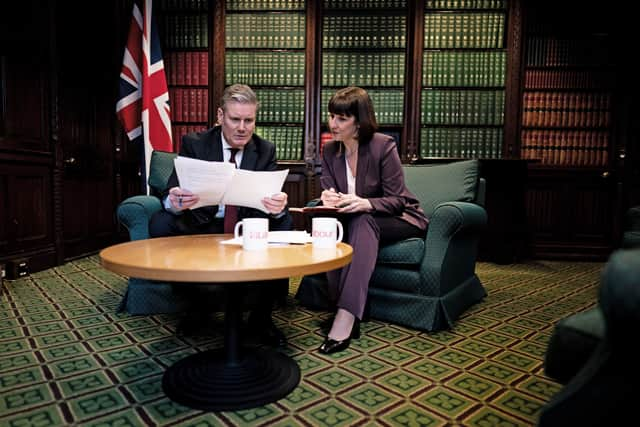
[(326, 324), (333, 346)]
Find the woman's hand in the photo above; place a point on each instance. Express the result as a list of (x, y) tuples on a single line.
[(182, 199), (350, 203), (330, 197)]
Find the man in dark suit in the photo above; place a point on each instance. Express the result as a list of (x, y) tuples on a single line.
[(233, 140)]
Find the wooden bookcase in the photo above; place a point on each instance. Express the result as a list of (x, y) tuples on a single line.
[(567, 106), (413, 57)]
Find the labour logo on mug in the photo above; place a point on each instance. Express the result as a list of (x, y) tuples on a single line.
[(326, 232)]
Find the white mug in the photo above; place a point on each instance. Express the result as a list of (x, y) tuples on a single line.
[(255, 233), (326, 232)]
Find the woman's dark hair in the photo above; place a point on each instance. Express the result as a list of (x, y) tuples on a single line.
[(355, 101)]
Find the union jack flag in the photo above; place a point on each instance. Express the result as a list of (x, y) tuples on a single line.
[(143, 106)]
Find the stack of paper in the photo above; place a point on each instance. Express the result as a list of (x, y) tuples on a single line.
[(278, 237)]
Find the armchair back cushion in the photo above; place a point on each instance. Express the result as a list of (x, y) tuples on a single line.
[(456, 182), (437, 184), (161, 168)]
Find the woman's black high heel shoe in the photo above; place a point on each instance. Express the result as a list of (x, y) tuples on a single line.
[(326, 324), (333, 346)]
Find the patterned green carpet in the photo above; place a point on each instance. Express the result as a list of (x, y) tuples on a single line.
[(68, 359)]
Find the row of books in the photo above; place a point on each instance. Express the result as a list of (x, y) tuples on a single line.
[(484, 143), (178, 131), (363, 68), (566, 148), (281, 106), (364, 31), (464, 30), (590, 157), (189, 104), (388, 105), (467, 69), (564, 118), (171, 5), (465, 4), (364, 4), (547, 51), (568, 79), (553, 109), (571, 101), (279, 68), (187, 68), (462, 107), (287, 139), (265, 30), (265, 4), (185, 31)]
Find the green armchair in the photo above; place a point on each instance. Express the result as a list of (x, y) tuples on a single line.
[(576, 337), (428, 283), (593, 353), (153, 297), (631, 236), (146, 296)]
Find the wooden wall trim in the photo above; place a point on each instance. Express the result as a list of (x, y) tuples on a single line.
[(513, 85)]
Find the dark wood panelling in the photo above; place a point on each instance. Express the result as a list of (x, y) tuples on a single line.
[(26, 146), (87, 127), (26, 95), (27, 218), (570, 213)]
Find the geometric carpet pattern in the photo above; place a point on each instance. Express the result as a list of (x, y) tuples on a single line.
[(67, 358)]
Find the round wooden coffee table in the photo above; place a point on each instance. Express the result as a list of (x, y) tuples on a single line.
[(231, 378)]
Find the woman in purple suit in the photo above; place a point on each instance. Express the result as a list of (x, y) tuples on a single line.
[(362, 175)]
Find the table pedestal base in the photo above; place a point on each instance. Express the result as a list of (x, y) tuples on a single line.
[(209, 382)]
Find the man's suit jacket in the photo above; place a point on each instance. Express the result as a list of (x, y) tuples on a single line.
[(379, 178), (258, 155)]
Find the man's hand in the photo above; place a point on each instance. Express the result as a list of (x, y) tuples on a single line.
[(276, 203), (182, 199)]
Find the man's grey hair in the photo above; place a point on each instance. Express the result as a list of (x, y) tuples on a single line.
[(239, 93)]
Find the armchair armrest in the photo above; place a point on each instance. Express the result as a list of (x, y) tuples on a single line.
[(451, 245), (633, 219), (134, 213)]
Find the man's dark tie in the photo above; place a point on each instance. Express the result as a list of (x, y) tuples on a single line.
[(231, 212)]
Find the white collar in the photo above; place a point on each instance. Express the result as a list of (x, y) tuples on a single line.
[(225, 144)]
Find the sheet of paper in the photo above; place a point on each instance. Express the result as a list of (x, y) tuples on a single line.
[(209, 180), (295, 237), (278, 237), (221, 182), (247, 188)]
